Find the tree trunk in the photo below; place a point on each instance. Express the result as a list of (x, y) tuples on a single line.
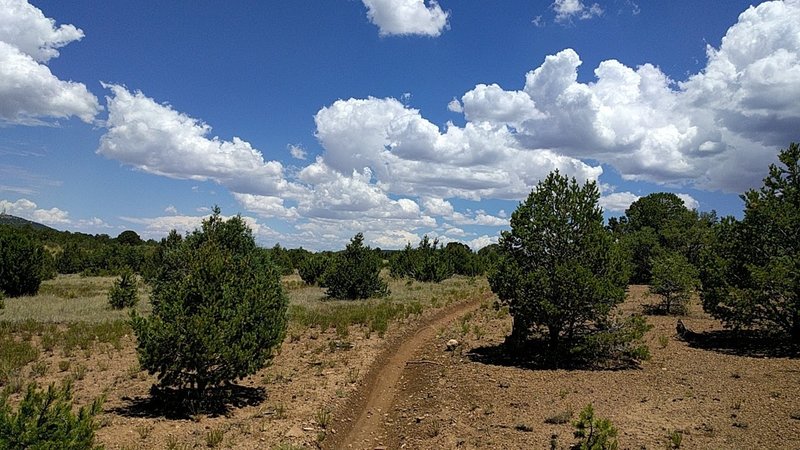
[(795, 332), (519, 332)]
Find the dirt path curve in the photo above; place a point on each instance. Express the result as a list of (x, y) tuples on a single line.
[(359, 423)]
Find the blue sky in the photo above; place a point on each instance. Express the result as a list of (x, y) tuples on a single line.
[(398, 118)]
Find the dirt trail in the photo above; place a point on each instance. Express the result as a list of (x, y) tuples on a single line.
[(359, 423)]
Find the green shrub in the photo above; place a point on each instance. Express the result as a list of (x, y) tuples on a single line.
[(44, 420), (21, 263), (674, 279), (312, 268), (594, 433), (218, 309), (427, 263), (124, 293), (355, 273)]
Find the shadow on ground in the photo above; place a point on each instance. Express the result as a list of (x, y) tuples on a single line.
[(182, 404), (534, 355), (743, 343)]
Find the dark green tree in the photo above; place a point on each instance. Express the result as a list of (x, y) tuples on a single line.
[(355, 272), (129, 237), (124, 293), (674, 280), (401, 264), (313, 267), (218, 308), (561, 272), (752, 278), (430, 263), (22, 260), (463, 260)]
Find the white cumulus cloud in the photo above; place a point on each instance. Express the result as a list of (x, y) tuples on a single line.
[(29, 210), (617, 201), (29, 92), (155, 138), (404, 17)]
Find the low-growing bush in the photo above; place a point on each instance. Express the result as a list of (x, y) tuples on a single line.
[(125, 292), (45, 420), (595, 433)]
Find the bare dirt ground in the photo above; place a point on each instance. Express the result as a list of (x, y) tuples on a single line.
[(360, 420), (405, 391), (717, 397)]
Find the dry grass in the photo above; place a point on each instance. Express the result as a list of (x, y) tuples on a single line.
[(70, 298)]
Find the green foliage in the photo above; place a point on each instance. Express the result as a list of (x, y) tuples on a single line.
[(22, 260), (751, 277), (595, 433), (313, 267), (560, 272), (674, 279), (427, 263), (355, 273), (218, 308), (660, 223), (129, 237), (125, 292), (281, 258), (613, 342), (463, 260), (44, 420), (641, 247)]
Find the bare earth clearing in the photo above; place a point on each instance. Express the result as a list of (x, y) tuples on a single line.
[(404, 391)]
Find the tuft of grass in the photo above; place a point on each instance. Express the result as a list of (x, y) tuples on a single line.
[(663, 341), (323, 418), (14, 355), (675, 438), (559, 418), (214, 437), (523, 428)]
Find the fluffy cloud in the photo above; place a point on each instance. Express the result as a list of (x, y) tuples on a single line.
[(481, 241), (566, 10), (29, 210), (409, 155), (157, 139), (712, 131), (403, 17), (617, 201), (29, 92), (25, 27), (689, 201)]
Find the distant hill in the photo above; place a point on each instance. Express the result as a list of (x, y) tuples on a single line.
[(19, 222)]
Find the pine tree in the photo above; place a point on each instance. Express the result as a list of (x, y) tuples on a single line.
[(218, 308)]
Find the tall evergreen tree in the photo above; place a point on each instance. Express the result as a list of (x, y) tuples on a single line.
[(751, 279)]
